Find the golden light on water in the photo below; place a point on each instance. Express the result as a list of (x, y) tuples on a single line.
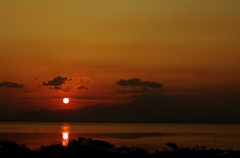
[(65, 139), (65, 134)]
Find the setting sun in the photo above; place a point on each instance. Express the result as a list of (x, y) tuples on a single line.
[(65, 100)]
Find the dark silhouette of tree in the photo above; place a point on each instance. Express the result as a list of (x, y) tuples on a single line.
[(56, 150), (86, 148), (172, 145), (11, 149)]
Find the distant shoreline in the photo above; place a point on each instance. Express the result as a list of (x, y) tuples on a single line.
[(215, 121)]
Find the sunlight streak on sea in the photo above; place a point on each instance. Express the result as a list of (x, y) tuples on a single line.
[(151, 135)]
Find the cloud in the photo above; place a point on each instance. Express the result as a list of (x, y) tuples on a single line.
[(142, 90), (11, 84), (56, 87), (136, 82), (85, 79), (60, 88), (66, 89), (58, 81), (81, 87)]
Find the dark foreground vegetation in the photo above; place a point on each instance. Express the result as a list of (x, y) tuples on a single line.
[(88, 148)]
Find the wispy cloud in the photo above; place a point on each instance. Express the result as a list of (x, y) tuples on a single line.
[(55, 87), (136, 82), (11, 84), (81, 87), (85, 79)]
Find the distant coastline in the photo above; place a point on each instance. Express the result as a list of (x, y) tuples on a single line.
[(91, 115), (196, 121)]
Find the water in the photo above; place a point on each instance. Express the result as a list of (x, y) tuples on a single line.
[(150, 135)]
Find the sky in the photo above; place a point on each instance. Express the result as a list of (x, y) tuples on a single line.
[(184, 53)]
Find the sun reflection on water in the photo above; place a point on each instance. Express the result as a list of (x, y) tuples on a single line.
[(65, 134), (65, 139)]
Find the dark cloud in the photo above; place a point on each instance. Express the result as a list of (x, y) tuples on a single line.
[(56, 87), (142, 90), (58, 81), (136, 82), (11, 84), (60, 88), (82, 87), (66, 89)]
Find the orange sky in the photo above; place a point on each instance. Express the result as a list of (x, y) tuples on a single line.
[(191, 47)]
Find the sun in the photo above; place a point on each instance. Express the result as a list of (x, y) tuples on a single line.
[(65, 100)]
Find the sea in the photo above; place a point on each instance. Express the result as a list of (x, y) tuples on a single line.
[(152, 136)]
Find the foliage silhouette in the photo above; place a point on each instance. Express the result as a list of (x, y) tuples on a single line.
[(86, 147), (12, 149)]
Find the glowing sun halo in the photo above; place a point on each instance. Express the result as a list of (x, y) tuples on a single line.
[(65, 100)]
